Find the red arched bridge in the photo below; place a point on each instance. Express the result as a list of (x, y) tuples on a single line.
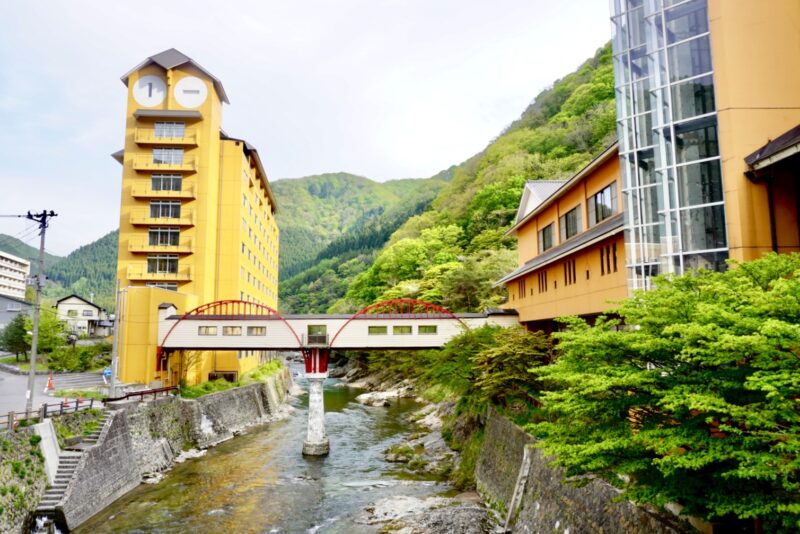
[(393, 324)]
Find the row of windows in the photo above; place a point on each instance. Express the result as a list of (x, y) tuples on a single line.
[(165, 209), (231, 330), (570, 275), (166, 182), (162, 263), (600, 206), (85, 313), (171, 286), (402, 330), (608, 259)]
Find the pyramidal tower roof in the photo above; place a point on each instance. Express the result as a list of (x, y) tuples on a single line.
[(169, 59)]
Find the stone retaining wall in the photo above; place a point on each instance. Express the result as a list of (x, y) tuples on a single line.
[(145, 437), (550, 505)]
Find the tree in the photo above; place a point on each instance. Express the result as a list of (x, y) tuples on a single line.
[(696, 403), (13, 337), (51, 330)]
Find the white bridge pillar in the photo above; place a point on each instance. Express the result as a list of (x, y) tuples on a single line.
[(316, 442)]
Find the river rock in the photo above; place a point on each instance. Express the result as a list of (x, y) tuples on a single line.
[(433, 515), (382, 398)]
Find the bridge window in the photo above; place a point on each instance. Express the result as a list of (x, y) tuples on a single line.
[(206, 330), (401, 330), (429, 329), (231, 330), (256, 330), (377, 330), (317, 330)]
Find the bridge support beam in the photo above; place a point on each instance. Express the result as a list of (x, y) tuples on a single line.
[(316, 442)]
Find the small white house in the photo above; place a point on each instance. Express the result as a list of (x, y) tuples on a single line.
[(82, 316)]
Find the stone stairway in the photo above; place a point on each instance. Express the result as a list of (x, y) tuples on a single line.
[(67, 463), (78, 380)]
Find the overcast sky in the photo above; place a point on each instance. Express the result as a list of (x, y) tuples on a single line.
[(385, 89)]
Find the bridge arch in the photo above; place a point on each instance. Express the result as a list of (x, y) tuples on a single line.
[(229, 309), (401, 308)]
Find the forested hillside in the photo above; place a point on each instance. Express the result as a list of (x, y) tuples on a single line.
[(89, 270), (315, 210), (453, 251), (20, 249)]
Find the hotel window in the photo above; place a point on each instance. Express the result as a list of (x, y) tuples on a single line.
[(168, 156), (169, 286), (166, 182), (231, 330), (427, 329), (401, 330), (162, 264), (88, 313), (570, 223), (165, 209), (206, 330), (377, 330), (546, 238), (603, 204), (170, 129), (570, 273), (163, 237)]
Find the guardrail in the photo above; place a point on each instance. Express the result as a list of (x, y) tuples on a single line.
[(14, 419), (143, 393), (314, 340)]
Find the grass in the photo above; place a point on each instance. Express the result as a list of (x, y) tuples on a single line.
[(259, 374), (23, 364), (76, 393)]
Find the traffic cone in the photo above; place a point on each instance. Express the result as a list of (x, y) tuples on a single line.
[(50, 385), (80, 399), (65, 403)]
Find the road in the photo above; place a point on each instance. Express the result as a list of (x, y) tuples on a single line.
[(12, 392)]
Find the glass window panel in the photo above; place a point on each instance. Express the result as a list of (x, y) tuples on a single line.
[(646, 167), (686, 20), (651, 203), (651, 242), (636, 27), (703, 228), (376, 330), (696, 140), (623, 102), (620, 32), (692, 98), (690, 58), (711, 261), (231, 330), (546, 238), (700, 183), (402, 330), (639, 63), (625, 132), (427, 329), (166, 182), (644, 130), (641, 96)]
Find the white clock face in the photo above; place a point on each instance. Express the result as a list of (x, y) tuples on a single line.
[(190, 92), (149, 91)]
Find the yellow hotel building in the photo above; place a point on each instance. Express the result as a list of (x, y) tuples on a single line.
[(197, 218), (707, 164)]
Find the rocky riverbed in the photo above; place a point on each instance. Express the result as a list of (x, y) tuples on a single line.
[(424, 453)]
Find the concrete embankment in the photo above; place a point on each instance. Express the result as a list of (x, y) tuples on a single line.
[(142, 439), (544, 502)]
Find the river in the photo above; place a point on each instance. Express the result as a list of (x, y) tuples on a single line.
[(260, 482)]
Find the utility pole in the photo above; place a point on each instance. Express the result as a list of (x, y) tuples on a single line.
[(41, 218)]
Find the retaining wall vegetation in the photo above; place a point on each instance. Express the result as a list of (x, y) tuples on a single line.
[(548, 504), (22, 477)]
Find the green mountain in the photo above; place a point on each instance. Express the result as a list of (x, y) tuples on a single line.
[(453, 251), (315, 210), (18, 248), (89, 271)]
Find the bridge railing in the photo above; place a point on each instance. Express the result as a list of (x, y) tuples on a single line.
[(145, 393)]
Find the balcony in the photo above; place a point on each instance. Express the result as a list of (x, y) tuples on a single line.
[(314, 340), (144, 162), (143, 218), (185, 246), (146, 191), (147, 136), (138, 271)]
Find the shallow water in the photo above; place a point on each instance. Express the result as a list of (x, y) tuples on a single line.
[(260, 482)]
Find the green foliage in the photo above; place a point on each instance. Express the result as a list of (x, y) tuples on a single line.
[(78, 393), (19, 248), (14, 336), (91, 269), (51, 331), (259, 374), (80, 358), (698, 403)]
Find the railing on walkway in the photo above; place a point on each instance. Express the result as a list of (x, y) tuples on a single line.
[(15, 419), (144, 393), (312, 340)]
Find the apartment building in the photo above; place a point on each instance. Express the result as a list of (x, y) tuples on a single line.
[(197, 215), (13, 273)]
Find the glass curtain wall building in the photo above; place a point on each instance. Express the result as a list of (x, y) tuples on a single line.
[(667, 127)]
